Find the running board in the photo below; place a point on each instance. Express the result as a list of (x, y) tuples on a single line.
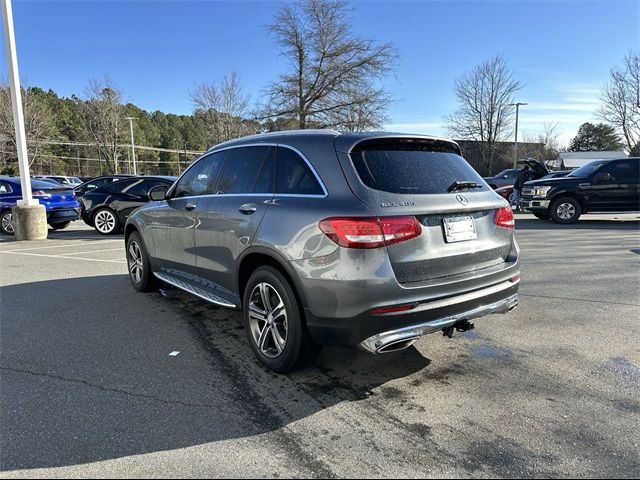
[(198, 292)]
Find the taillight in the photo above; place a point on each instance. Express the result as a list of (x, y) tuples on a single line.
[(41, 194), (504, 218), (370, 232)]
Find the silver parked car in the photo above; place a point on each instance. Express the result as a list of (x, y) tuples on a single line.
[(356, 239)]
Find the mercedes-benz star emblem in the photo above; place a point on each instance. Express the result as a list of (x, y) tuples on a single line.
[(462, 199)]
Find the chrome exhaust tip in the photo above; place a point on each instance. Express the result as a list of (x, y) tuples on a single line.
[(397, 345)]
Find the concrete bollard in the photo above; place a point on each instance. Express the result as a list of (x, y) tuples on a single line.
[(30, 222)]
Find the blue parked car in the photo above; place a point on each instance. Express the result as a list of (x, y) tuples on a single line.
[(59, 200)]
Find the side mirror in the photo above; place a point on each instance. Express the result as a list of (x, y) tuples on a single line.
[(159, 192), (602, 178)]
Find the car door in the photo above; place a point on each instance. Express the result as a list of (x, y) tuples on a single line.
[(228, 221), (607, 190), (626, 174), (133, 195), (173, 222), (8, 197)]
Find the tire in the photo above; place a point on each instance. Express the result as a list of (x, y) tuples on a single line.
[(565, 210), (60, 226), (6, 223), (106, 222), (140, 274), (541, 216), (281, 342)]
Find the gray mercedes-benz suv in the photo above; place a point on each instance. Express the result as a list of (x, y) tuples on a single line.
[(356, 239)]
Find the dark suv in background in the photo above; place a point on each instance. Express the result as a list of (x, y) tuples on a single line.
[(600, 186), (369, 240)]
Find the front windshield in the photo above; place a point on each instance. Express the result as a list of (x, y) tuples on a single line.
[(586, 170)]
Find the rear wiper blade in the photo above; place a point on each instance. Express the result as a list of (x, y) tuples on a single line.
[(463, 185)]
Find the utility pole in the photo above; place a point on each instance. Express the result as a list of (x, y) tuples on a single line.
[(133, 145), (515, 145), (177, 155), (28, 217)]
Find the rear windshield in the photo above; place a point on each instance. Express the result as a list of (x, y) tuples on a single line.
[(412, 169), (47, 184)]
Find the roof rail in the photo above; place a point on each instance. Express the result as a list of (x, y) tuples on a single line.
[(325, 131)]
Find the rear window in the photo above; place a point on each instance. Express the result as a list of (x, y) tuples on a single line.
[(412, 168), (43, 184)]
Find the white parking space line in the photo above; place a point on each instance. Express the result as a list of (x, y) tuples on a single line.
[(93, 251), (60, 246), (64, 258)]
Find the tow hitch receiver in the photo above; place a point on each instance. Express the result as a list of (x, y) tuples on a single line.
[(463, 326)]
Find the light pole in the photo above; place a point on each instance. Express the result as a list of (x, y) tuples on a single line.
[(133, 145), (515, 145), (28, 217)]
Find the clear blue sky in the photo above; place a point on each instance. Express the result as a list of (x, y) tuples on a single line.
[(155, 51)]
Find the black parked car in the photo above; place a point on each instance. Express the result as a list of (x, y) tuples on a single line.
[(600, 186), (98, 182), (107, 208), (503, 179)]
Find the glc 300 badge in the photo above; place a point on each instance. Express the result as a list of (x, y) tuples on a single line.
[(398, 204)]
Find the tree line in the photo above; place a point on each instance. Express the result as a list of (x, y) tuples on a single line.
[(333, 79)]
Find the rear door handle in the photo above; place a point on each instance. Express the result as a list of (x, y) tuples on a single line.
[(190, 206), (248, 208)]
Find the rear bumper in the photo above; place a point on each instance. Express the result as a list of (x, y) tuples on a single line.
[(61, 215), (374, 332), (391, 340)]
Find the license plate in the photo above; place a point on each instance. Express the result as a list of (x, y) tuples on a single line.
[(459, 229)]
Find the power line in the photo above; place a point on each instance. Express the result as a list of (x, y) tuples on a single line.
[(120, 145), (61, 157)]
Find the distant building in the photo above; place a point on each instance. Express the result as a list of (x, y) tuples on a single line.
[(503, 158), (571, 160)]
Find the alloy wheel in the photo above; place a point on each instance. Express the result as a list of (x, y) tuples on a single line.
[(105, 221), (135, 261), (268, 320), (7, 223), (566, 211)]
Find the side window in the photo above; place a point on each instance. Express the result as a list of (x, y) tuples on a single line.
[(201, 178), (121, 186), (242, 169), (623, 170), (97, 183), (294, 175), (157, 182), (5, 188), (138, 188), (267, 177)]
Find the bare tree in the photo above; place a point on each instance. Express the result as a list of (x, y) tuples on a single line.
[(484, 114), (621, 101), (39, 120), (105, 120), (223, 106), (544, 146), (332, 76)]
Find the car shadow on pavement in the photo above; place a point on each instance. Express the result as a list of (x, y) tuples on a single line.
[(582, 224), (86, 375)]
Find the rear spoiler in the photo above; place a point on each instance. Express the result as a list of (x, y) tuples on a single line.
[(420, 141)]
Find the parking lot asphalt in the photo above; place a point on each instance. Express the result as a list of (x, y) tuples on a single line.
[(89, 388)]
